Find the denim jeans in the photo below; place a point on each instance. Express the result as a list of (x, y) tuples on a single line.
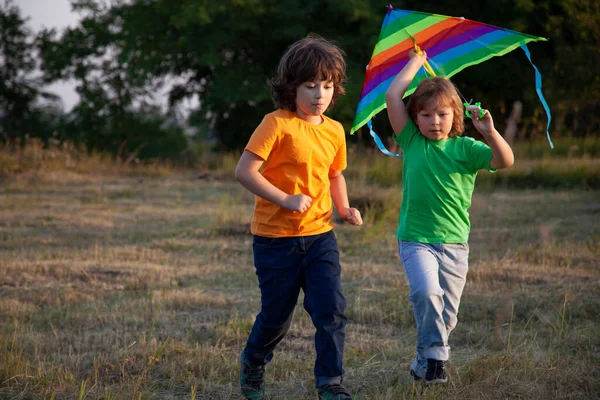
[(284, 266), (437, 275)]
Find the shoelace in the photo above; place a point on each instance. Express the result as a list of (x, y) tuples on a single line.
[(336, 389), (438, 368), (255, 376)]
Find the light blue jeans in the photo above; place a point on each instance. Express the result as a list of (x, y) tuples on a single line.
[(437, 274)]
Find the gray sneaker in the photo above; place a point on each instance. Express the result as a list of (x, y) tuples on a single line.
[(252, 379)]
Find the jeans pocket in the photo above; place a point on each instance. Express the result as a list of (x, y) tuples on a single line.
[(273, 253), (458, 254), (407, 249)]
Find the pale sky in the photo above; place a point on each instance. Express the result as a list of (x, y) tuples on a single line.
[(48, 13)]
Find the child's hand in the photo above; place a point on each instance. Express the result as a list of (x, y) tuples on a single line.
[(484, 125), (421, 57), (352, 216), (297, 202)]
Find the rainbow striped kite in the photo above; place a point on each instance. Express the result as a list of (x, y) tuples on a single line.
[(452, 44)]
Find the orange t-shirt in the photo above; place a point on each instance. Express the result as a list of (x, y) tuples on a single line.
[(298, 156)]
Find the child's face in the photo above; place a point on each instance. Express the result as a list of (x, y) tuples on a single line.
[(312, 99), (435, 121)]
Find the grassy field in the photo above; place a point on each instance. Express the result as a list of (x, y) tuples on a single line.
[(141, 286)]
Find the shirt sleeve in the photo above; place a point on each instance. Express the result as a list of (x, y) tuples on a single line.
[(340, 160), (265, 137), (407, 134), (479, 155)]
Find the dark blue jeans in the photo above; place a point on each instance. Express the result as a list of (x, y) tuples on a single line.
[(284, 266)]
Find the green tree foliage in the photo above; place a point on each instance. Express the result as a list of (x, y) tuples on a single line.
[(20, 90), (115, 111)]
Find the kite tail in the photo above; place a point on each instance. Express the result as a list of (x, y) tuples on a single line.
[(379, 142), (538, 89)]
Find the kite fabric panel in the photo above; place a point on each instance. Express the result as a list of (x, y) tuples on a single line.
[(452, 44)]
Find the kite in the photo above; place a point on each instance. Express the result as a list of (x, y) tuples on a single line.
[(452, 44)]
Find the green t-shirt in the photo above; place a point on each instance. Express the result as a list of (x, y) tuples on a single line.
[(438, 181)]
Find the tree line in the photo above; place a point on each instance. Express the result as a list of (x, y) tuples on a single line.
[(220, 55)]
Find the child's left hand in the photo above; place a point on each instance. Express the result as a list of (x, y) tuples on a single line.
[(485, 124), (353, 217)]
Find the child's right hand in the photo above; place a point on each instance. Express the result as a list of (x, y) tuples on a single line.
[(421, 57), (297, 202)]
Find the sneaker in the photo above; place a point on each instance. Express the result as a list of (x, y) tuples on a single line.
[(436, 371), (252, 379), (334, 392)]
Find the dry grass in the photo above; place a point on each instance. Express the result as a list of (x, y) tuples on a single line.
[(122, 286)]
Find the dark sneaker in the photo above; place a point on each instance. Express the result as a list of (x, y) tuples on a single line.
[(334, 392), (436, 372), (252, 379)]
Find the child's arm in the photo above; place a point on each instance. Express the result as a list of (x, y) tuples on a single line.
[(247, 173), (339, 194), (502, 154), (397, 113)]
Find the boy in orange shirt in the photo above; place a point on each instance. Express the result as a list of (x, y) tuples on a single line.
[(293, 164)]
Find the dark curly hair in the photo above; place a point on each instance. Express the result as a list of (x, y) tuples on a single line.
[(445, 94), (306, 60)]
